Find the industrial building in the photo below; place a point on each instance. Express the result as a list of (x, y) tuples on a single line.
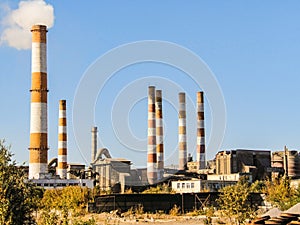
[(109, 173), (286, 161), (255, 162)]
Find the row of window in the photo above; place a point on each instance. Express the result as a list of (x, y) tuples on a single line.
[(58, 184), (185, 185)]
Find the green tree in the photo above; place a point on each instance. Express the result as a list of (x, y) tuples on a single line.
[(18, 197), (233, 202), (281, 194), (62, 203)]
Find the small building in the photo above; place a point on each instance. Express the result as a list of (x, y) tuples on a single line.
[(186, 186)]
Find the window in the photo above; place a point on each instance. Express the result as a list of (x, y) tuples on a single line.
[(188, 185), (183, 185), (178, 185), (192, 185)]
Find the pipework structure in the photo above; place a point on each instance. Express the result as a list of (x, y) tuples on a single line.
[(151, 155), (38, 147), (94, 143), (62, 140), (200, 132), (182, 143), (159, 134)]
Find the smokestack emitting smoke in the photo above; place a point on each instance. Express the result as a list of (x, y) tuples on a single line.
[(18, 22), (62, 140), (94, 143), (159, 134), (152, 160), (182, 133), (200, 131), (38, 113)]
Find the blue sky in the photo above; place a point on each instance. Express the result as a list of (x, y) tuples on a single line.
[(252, 47)]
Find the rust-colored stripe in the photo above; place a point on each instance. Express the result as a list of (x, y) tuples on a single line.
[(200, 132), (39, 33), (152, 158), (62, 165), (160, 148), (181, 130), (38, 156), (182, 146), (38, 139), (62, 105), (62, 137), (62, 151), (62, 122)]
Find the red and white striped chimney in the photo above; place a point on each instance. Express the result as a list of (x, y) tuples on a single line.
[(159, 134), (152, 160), (182, 133), (38, 147), (62, 140), (200, 132)]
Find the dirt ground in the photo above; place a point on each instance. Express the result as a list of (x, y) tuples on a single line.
[(147, 219)]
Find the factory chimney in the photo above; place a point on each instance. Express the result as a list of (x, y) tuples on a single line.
[(151, 159), (182, 133), (200, 132), (94, 143), (62, 140), (38, 148), (159, 134)]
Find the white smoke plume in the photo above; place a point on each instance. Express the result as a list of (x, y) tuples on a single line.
[(17, 23)]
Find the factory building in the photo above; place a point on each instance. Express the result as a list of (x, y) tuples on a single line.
[(255, 162), (287, 162)]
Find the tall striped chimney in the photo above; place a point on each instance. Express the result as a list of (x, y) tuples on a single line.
[(152, 160), (62, 140), (159, 134), (94, 143), (200, 132), (38, 148), (182, 133)]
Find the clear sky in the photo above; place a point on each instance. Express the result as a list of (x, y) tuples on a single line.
[(252, 47)]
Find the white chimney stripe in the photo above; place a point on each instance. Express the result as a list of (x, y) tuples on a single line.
[(38, 117), (39, 57), (151, 132), (159, 139), (62, 113), (159, 122), (181, 106), (62, 144), (62, 173), (151, 149), (200, 140), (151, 115), (160, 156), (35, 168), (182, 155), (62, 158), (182, 122), (151, 167), (200, 123), (182, 138), (62, 129), (200, 107)]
